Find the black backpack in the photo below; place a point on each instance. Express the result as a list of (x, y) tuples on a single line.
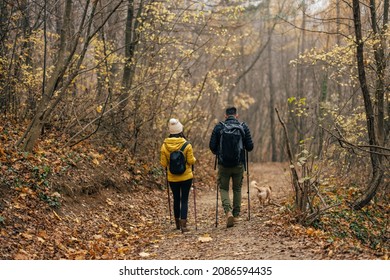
[(177, 161), (231, 144)]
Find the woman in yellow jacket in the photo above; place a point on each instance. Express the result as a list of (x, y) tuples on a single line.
[(180, 183)]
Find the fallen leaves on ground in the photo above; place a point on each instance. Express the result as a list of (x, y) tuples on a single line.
[(83, 203)]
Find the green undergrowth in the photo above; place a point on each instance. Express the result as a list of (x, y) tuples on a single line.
[(368, 227)]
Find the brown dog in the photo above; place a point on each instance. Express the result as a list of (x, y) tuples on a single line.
[(263, 193)]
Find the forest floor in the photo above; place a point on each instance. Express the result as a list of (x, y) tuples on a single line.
[(95, 208), (89, 202)]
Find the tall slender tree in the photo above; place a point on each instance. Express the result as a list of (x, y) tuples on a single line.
[(271, 85), (376, 158)]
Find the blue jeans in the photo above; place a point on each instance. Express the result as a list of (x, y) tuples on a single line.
[(181, 191)]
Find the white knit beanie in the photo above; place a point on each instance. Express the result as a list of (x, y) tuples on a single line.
[(175, 127)]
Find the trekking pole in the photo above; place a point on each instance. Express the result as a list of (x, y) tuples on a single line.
[(193, 187), (216, 204), (169, 197), (247, 179)]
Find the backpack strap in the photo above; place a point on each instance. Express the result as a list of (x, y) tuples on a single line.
[(223, 124), (242, 129), (184, 146)]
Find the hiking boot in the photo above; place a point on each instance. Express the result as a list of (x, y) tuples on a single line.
[(177, 222), (229, 220), (183, 225), (237, 219)]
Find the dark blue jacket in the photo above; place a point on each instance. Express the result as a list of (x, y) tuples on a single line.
[(215, 137)]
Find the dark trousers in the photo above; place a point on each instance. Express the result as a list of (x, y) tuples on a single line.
[(181, 191)]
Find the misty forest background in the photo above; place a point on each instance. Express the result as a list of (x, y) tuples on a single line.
[(310, 78)]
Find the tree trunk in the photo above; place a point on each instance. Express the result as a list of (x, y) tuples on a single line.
[(377, 170), (321, 103), (3, 51), (386, 8), (338, 40), (301, 73), (131, 40), (380, 62), (24, 59), (34, 130), (294, 175), (271, 91)]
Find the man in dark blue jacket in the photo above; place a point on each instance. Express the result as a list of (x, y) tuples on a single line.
[(225, 170)]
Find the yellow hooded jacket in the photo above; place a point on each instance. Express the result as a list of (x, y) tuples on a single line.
[(173, 144)]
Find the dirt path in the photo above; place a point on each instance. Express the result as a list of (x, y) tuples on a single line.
[(114, 223), (265, 236)]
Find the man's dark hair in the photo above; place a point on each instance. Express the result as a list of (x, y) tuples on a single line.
[(231, 111)]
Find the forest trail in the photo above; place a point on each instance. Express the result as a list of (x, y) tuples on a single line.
[(264, 236), (117, 219)]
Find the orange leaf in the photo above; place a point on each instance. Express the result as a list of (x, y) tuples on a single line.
[(21, 255)]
